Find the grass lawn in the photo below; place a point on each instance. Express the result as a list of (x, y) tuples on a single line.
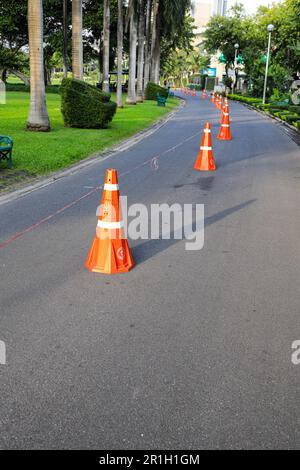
[(39, 153)]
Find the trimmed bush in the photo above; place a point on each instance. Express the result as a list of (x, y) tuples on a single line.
[(295, 109), (245, 99), (152, 89), (290, 118), (84, 106), (21, 87), (196, 86)]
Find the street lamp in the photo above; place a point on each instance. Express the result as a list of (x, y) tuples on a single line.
[(270, 30), (236, 46)]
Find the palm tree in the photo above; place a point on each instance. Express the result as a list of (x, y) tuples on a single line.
[(148, 44), (77, 48), (106, 34), (168, 18), (65, 37), (141, 52), (155, 43), (38, 119), (132, 14), (120, 54)]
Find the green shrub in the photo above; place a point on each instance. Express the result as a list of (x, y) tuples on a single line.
[(196, 87), (152, 89), (295, 109), (84, 106), (245, 99), (290, 118)]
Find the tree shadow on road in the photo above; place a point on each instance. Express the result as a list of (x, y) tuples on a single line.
[(148, 249)]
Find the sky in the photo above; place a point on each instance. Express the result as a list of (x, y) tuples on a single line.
[(252, 5)]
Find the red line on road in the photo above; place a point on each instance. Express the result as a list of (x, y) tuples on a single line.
[(46, 219), (18, 235)]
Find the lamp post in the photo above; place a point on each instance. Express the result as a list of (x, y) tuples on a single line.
[(270, 30), (236, 46)]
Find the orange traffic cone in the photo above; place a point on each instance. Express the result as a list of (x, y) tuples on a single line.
[(194, 93), (205, 161), (217, 101), (212, 98), (223, 108), (220, 103), (204, 94), (110, 253), (225, 133)]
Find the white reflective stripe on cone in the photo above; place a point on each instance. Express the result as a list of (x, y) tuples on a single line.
[(225, 125), (205, 148), (207, 131), (110, 225), (226, 114), (111, 187)]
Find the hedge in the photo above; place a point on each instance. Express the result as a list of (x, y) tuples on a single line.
[(290, 118), (196, 87), (245, 99), (282, 110), (84, 106), (152, 89), (55, 89)]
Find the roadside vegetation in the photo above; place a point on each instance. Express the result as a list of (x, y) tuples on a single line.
[(40, 153), (283, 110)]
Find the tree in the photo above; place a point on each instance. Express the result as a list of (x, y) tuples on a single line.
[(132, 15), (65, 38), (168, 21), (148, 44), (106, 37), (77, 46), (141, 52), (223, 32), (13, 37), (155, 44), (38, 119), (120, 54)]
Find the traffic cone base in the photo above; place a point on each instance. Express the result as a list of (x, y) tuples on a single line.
[(225, 133), (109, 257), (205, 163)]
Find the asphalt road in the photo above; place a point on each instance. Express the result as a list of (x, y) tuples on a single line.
[(190, 349)]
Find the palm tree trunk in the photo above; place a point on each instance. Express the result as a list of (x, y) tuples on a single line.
[(141, 52), (131, 95), (148, 44), (38, 119), (155, 45), (120, 54), (106, 34), (77, 49), (65, 39)]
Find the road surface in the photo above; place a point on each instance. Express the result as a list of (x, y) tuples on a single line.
[(190, 350)]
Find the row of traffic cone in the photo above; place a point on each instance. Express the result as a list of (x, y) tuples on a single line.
[(188, 91), (110, 252), (205, 160)]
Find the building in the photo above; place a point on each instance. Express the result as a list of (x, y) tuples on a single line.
[(202, 11)]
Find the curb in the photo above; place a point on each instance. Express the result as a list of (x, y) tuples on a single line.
[(28, 187)]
